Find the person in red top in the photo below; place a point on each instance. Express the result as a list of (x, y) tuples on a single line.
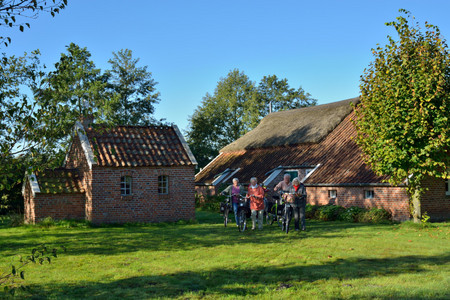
[(256, 195)]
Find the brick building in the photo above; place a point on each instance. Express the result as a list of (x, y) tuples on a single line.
[(117, 175), (317, 145)]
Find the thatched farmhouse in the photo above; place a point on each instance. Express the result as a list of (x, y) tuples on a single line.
[(316, 144), (116, 175)]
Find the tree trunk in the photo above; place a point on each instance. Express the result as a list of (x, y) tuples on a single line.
[(417, 211)]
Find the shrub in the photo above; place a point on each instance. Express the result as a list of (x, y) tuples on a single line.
[(210, 203), (310, 211), (351, 214), (329, 212), (15, 220), (374, 215)]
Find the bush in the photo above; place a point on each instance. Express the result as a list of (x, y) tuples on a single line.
[(374, 215), (210, 203), (15, 220), (351, 214), (329, 212), (310, 211)]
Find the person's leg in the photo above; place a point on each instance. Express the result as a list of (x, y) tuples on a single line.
[(253, 219), (260, 219), (296, 217), (235, 209), (302, 214)]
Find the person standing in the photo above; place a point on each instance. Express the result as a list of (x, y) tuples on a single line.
[(234, 191), (256, 195), (296, 197)]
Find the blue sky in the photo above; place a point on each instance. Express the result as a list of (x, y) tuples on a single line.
[(322, 46)]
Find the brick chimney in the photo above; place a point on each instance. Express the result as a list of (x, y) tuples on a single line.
[(87, 120)]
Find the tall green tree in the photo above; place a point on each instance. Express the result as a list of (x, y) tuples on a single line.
[(75, 89), (135, 90), (15, 13), (236, 107), (403, 117), (277, 93), (223, 116)]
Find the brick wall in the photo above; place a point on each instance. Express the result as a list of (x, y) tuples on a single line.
[(59, 206), (393, 199), (145, 204), (434, 201)]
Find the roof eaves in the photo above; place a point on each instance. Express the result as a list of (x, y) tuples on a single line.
[(310, 173), (85, 144), (185, 145), (205, 167), (34, 184)]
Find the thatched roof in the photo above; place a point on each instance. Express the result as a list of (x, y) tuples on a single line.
[(294, 127)]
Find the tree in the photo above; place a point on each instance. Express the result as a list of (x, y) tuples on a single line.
[(135, 89), (223, 117), (74, 90), (403, 117), (281, 96), (236, 107), (20, 131), (13, 11)]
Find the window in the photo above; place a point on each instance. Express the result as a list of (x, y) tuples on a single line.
[(125, 185), (163, 185), (332, 193), (447, 187), (368, 194), (293, 173)]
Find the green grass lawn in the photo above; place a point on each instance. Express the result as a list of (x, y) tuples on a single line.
[(332, 260)]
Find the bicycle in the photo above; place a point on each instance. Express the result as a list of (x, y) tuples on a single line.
[(275, 210), (243, 212), (225, 208), (287, 214)]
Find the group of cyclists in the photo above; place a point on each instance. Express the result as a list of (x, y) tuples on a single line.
[(290, 199)]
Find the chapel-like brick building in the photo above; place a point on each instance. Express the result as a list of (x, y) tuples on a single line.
[(317, 145), (117, 175)]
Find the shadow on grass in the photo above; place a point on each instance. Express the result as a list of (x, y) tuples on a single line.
[(236, 281), (209, 232)]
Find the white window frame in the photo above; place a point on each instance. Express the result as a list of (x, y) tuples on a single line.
[(126, 183), (369, 194), (332, 193), (163, 184), (447, 187), (291, 170)]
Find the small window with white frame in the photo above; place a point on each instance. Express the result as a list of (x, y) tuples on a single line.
[(163, 185), (447, 187), (125, 185), (369, 194), (332, 193)]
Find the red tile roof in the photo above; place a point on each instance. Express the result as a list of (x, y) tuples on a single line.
[(137, 146), (339, 157), (59, 180)]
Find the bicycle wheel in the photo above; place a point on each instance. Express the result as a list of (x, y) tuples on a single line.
[(242, 220), (225, 217)]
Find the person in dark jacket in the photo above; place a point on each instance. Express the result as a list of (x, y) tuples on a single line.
[(296, 197)]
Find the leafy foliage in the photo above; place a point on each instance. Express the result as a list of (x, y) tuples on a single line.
[(352, 214), (134, 88), (12, 12), (403, 117), (11, 281), (235, 108)]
